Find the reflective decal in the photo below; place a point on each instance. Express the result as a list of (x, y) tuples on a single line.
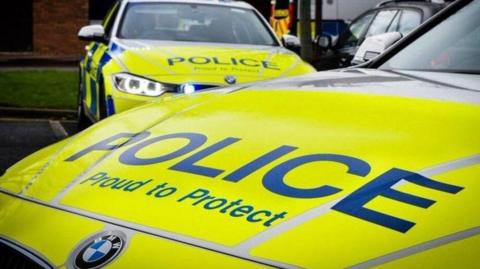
[(273, 180)]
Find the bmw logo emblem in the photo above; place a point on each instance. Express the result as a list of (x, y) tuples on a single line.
[(97, 251), (230, 79)]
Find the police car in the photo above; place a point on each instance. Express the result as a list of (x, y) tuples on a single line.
[(366, 167), (149, 49)]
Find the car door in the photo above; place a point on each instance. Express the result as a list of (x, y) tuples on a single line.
[(381, 22), (409, 20), (394, 24), (339, 55), (93, 61), (351, 38), (377, 25)]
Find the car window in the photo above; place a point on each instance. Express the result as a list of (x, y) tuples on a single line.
[(194, 22), (451, 46), (351, 36), (381, 22), (409, 20), (394, 25)]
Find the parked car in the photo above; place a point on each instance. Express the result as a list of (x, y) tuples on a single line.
[(150, 49), (389, 16), (365, 167)]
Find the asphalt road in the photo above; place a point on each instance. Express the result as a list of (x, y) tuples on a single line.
[(21, 137)]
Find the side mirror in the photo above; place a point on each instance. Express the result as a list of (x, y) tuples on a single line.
[(92, 33), (323, 42), (292, 43), (374, 46)]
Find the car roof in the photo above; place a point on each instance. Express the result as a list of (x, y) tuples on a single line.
[(450, 9), (228, 3), (428, 8)]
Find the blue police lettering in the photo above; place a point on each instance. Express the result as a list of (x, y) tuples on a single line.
[(161, 190), (201, 60), (173, 61), (274, 179), (236, 208), (249, 62), (130, 157), (105, 181), (258, 163), (253, 217), (233, 61), (270, 65), (354, 203), (105, 145), (188, 164)]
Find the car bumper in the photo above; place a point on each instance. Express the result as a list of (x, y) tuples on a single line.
[(53, 232)]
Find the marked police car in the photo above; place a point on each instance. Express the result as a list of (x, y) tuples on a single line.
[(364, 167), (146, 49)]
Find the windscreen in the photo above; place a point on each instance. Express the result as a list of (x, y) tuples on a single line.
[(195, 23), (451, 46)]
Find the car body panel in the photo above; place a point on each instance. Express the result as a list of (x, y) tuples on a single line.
[(67, 227), (435, 224), (208, 59), (211, 64), (201, 63), (380, 121), (341, 54), (450, 255)]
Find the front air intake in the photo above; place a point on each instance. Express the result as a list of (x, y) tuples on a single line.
[(13, 256)]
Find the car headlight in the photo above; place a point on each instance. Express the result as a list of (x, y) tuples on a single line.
[(137, 85)]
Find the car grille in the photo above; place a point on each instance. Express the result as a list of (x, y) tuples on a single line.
[(198, 87), (13, 256)]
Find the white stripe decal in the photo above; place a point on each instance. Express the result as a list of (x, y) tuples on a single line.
[(435, 242), (73, 183), (286, 225), (44, 167), (316, 212), (243, 249), (135, 227), (82, 175), (419, 248), (120, 62), (271, 54), (292, 67), (450, 166), (448, 95)]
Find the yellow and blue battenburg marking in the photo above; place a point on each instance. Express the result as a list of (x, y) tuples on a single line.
[(185, 64)]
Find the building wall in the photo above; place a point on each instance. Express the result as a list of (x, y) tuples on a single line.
[(55, 24), (55, 27), (16, 26)]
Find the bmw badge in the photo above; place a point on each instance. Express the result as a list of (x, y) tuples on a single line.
[(97, 251), (230, 80)]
